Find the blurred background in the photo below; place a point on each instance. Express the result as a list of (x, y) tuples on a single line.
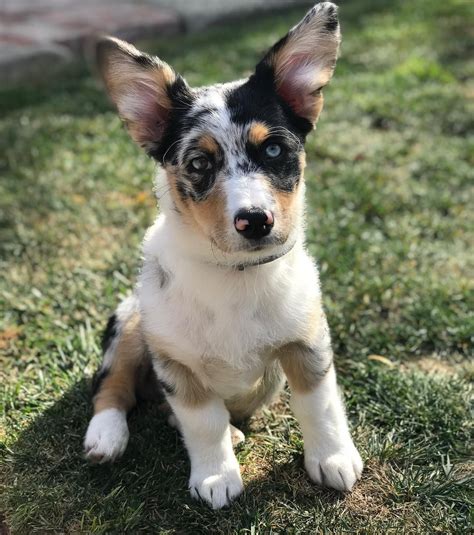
[(390, 219), (41, 36)]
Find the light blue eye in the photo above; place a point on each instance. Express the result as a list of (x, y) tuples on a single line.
[(273, 150)]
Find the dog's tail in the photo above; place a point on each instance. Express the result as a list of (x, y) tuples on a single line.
[(126, 373)]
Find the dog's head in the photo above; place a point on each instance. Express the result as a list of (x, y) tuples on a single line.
[(233, 154)]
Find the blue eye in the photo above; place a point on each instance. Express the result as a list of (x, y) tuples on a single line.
[(273, 150)]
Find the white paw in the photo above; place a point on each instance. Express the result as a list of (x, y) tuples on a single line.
[(107, 436), (217, 487), (339, 470)]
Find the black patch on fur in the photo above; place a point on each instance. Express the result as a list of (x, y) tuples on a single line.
[(145, 61), (198, 184), (148, 388), (182, 98), (265, 101), (98, 379), (332, 20), (285, 170), (109, 333), (169, 389), (257, 100)]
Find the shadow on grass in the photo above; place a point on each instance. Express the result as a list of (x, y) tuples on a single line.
[(52, 487)]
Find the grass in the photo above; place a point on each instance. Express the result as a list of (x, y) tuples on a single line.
[(389, 184)]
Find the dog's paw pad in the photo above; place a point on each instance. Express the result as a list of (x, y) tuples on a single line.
[(217, 490), (107, 436), (339, 470)]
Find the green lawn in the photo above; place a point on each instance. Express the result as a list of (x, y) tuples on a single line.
[(390, 177)]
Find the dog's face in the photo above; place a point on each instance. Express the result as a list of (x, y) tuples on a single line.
[(233, 153)]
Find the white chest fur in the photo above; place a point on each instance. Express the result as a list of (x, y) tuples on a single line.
[(213, 318)]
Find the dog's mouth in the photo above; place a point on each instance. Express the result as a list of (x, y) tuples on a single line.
[(263, 244), (252, 252), (249, 246)]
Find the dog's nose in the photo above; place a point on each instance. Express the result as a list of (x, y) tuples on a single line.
[(254, 223)]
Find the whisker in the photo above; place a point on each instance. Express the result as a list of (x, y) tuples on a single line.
[(283, 130), (162, 191), (168, 149)]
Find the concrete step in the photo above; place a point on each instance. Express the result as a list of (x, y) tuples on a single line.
[(40, 37)]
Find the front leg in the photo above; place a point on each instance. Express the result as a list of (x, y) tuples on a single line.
[(203, 421), (215, 474), (330, 455)]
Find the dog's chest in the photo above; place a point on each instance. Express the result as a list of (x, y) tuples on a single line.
[(226, 320), (232, 328)]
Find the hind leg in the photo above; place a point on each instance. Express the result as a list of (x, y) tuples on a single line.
[(115, 384)]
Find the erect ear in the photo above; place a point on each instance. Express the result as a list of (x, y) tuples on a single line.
[(141, 87), (303, 61)]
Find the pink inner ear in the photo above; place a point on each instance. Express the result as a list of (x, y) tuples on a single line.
[(297, 80), (145, 116), (150, 125), (294, 98)]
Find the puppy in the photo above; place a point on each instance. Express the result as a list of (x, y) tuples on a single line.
[(228, 302)]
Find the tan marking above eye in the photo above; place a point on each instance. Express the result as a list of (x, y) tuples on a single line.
[(208, 144), (258, 133)]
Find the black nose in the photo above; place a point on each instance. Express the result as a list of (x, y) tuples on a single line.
[(254, 223)]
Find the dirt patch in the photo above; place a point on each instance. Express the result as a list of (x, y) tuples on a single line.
[(256, 466), (464, 470), (372, 493)]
